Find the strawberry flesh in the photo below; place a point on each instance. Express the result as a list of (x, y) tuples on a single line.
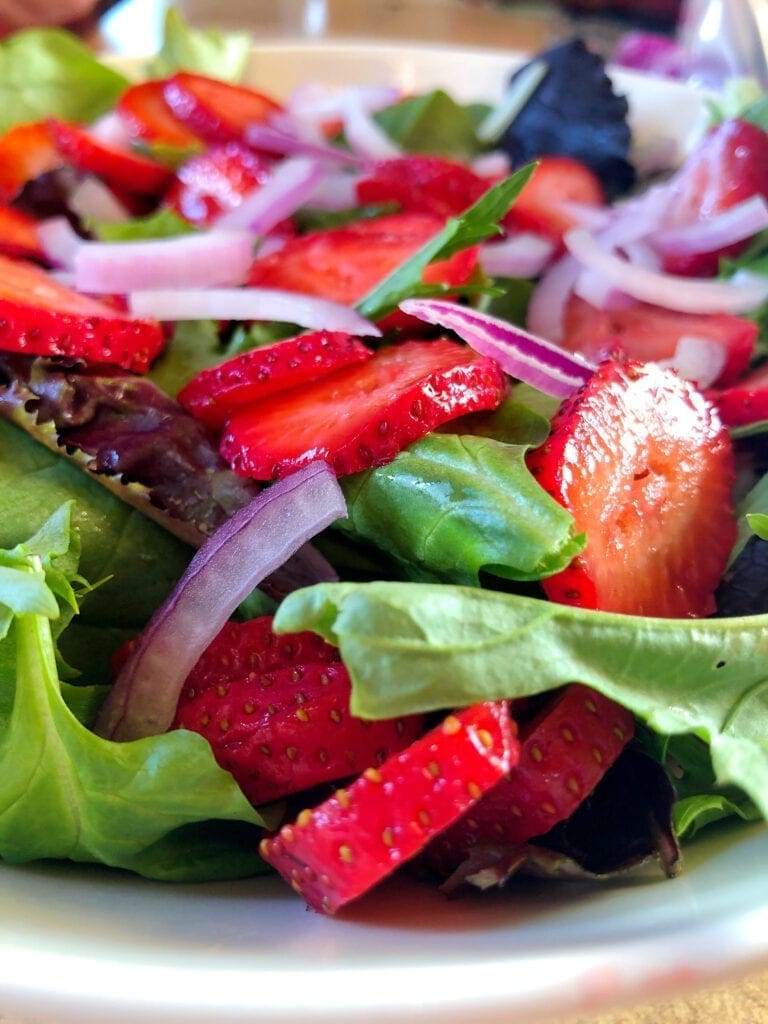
[(275, 710), (746, 401), (652, 334), (422, 184), (565, 750), (216, 182), (148, 118), (216, 111), (363, 415), (213, 395), (117, 167), (18, 235), (555, 181), (40, 317), (26, 152), (643, 463), (339, 850)]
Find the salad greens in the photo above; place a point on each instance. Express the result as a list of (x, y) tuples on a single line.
[(205, 51)]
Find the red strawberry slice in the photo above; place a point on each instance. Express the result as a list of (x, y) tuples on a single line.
[(362, 416), (242, 648), (18, 235), (216, 181), (117, 167), (213, 395), (26, 152), (557, 180), (344, 847), (564, 752), (148, 118), (746, 401), (641, 460), (729, 166), (216, 111), (651, 334), (344, 264), (41, 317), (288, 729), (422, 184)]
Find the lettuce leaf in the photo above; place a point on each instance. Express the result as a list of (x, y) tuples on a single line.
[(431, 123), (456, 504), (66, 793), (205, 51), (163, 223), (416, 647), (48, 72)]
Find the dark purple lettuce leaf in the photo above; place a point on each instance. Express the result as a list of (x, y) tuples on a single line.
[(626, 821), (575, 112), (744, 587)]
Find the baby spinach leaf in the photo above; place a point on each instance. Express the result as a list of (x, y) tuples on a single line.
[(431, 123)]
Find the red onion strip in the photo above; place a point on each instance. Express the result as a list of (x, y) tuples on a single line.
[(520, 354), (365, 137), (92, 200), (733, 225), (203, 260), (688, 295), (700, 360), (546, 309), (59, 241), (253, 543), (285, 143), (291, 185), (250, 304), (521, 255)]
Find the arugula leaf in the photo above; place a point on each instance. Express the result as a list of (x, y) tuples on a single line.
[(163, 223), (67, 793), (432, 123), (205, 51), (416, 647), (454, 505), (477, 223), (48, 72)]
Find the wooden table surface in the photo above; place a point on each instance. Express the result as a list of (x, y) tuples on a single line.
[(133, 26)]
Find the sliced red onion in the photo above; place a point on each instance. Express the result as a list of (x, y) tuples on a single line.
[(92, 200), (203, 260), (599, 293), (520, 354), (495, 164), (290, 186), (253, 543), (642, 254), (365, 137), (685, 294), (270, 244), (636, 218), (520, 255), (66, 278), (110, 131), (250, 304), (314, 104), (337, 191), (736, 224), (594, 218), (285, 143), (546, 309), (59, 241), (700, 360)]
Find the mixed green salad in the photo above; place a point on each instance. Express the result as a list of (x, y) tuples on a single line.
[(383, 478)]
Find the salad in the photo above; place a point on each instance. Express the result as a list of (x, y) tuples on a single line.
[(465, 416)]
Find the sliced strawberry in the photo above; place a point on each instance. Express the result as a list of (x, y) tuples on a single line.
[(216, 181), (641, 460), (213, 395), (744, 402), (286, 730), (362, 416), (41, 317), (216, 111), (422, 184), (564, 752), (26, 152), (18, 235), (344, 847), (148, 118), (557, 180), (117, 167), (727, 167), (651, 334)]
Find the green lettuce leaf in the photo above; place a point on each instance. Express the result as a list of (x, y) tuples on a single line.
[(431, 123), (163, 223), (478, 222), (455, 504), (66, 793), (48, 72), (206, 51), (418, 647), (758, 522)]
